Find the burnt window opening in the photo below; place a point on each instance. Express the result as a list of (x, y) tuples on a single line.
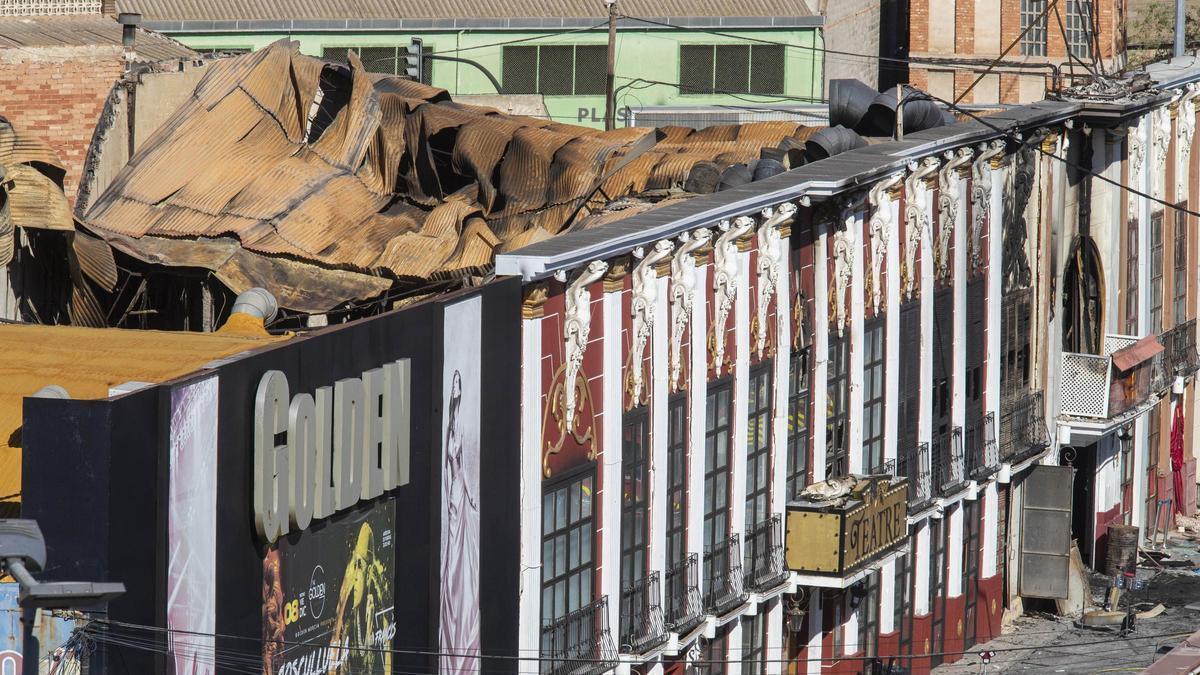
[(1179, 256), (333, 93), (1083, 299), (1156, 273), (389, 60)]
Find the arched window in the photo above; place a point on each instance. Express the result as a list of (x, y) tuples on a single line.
[(1083, 299)]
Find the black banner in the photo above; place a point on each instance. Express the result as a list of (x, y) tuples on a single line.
[(327, 598)]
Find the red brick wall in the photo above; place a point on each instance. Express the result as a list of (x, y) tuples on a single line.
[(918, 25), (58, 95)]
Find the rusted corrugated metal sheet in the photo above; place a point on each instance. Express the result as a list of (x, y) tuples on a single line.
[(374, 177)]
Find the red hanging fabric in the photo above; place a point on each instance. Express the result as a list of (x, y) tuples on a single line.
[(1177, 455)]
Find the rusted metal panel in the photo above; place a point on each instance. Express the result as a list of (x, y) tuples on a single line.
[(1045, 549)]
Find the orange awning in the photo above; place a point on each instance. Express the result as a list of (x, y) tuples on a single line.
[(1136, 353)]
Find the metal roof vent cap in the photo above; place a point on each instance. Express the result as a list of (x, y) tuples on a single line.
[(257, 302)]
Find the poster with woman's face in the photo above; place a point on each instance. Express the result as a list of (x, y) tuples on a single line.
[(458, 633)]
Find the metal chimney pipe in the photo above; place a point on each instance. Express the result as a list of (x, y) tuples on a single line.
[(129, 23), (1180, 28)]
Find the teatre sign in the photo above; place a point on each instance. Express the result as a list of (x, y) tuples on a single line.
[(348, 444)]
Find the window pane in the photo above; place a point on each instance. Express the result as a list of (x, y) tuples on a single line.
[(519, 70), (766, 69), (696, 69), (591, 63), (732, 70), (555, 70)]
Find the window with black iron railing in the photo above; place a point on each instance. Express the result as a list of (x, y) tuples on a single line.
[(1181, 358), (685, 606), (642, 624), (1023, 431), (983, 456), (915, 464), (723, 587), (579, 643), (765, 569), (948, 465)]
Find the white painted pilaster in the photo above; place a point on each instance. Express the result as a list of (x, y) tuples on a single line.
[(926, 285), (815, 621), (698, 353), (741, 394), (775, 628), (658, 429), (783, 360), (820, 350), (529, 607), (891, 373), (849, 629), (991, 514), (921, 569), (733, 644), (853, 222), (609, 570), (954, 553), (958, 415), (995, 289), (887, 597)]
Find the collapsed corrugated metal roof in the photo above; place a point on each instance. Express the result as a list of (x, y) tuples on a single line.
[(31, 193), (283, 169)]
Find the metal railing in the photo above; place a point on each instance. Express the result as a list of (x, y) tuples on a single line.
[(887, 468), (642, 625), (764, 555), (948, 464), (915, 465), (1181, 357), (1022, 426), (723, 588), (579, 643), (685, 607), (983, 455)]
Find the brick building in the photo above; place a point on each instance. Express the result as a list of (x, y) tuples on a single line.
[(1067, 41), (56, 72)]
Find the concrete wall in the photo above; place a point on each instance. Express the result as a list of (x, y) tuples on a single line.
[(852, 26)]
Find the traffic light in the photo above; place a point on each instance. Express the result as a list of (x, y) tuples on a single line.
[(414, 61)]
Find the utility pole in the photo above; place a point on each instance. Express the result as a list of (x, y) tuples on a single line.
[(1180, 28), (610, 102)]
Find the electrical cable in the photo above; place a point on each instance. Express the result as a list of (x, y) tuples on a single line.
[(505, 43), (508, 657), (1014, 43)]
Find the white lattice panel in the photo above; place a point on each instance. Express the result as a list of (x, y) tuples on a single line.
[(1114, 342), (1085, 382), (48, 7)]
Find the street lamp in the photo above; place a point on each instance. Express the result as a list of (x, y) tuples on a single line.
[(22, 550)]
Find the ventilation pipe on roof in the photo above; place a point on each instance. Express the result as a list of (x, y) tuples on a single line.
[(51, 391), (252, 310), (831, 141), (258, 303), (129, 24), (849, 101), (920, 112)]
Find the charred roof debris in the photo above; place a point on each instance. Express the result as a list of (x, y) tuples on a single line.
[(347, 193)]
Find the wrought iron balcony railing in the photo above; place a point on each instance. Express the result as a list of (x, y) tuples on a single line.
[(764, 555), (948, 465), (642, 625), (887, 468), (1022, 426), (983, 455), (1181, 357), (579, 643), (685, 607), (723, 588), (915, 465)]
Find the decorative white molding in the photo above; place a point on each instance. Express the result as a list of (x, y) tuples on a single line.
[(577, 324), (916, 216), (770, 258), (880, 230), (645, 295), (1185, 129), (1136, 153), (683, 294), (844, 244), (1160, 141), (725, 276), (981, 200), (948, 198)]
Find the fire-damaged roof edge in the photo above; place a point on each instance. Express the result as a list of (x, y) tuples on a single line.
[(821, 180), (474, 23)]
